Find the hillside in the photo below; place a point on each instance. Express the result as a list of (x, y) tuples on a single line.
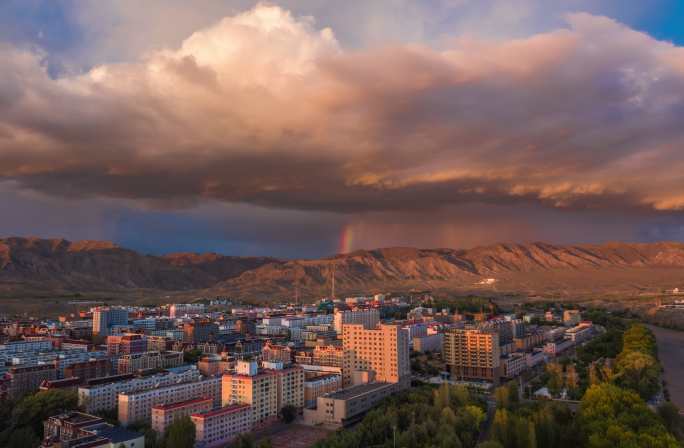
[(57, 264), (536, 268)]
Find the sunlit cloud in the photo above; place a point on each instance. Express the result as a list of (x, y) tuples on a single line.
[(268, 108)]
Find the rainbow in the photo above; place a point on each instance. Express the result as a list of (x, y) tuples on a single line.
[(346, 239)]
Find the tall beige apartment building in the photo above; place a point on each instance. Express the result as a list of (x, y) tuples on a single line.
[(473, 354), (267, 391), (384, 350)]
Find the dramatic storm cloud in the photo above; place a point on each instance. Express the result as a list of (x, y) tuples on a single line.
[(269, 109)]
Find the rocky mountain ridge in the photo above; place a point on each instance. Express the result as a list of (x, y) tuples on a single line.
[(61, 265)]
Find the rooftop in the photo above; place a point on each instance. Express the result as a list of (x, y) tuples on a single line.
[(355, 391), (180, 404), (226, 410)]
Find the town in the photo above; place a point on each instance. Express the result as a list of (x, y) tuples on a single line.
[(228, 370)]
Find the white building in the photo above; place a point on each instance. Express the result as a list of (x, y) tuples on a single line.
[(103, 395), (186, 309), (137, 406)]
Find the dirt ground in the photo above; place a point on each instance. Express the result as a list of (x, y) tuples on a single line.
[(293, 436)]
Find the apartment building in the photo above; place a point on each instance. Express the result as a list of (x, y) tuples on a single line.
[(104, 318), (137, 406), (184, 309), (265, 390), (473, 354), (317, 386), (158, 343), (102, 394), (571, 317), (222, 426), (514, 364), (277, 353), (383, 350), (200, 330), (86, 370), (126, 344), (328, 355), (369, 318), (148, 360), (165, 414), (25, 380), (429, 343), (25, 346)]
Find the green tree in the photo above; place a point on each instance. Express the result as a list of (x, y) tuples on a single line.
[(614, 417), (266, 443), (502, 397), (490, 444), (501, 428), (33, 409), (192, 356), (441, 396), (23, 437), (180, 434), (555, 382), (289, 413), (669, 414), (244, 441), (640, 372)]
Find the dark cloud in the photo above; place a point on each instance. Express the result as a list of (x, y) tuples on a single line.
[(264, 110)]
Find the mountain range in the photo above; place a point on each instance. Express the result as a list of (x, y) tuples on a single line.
[(57, 265)]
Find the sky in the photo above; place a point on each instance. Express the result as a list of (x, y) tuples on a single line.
[(304, 128)]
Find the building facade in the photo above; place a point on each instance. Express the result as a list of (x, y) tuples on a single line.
[(165, 414), (104, 318), (137, 406), (473, 354), (384, 350), (219, 427), (369, 318)]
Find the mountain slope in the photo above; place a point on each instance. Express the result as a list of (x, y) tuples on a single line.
[(532, 268), (60, 265)]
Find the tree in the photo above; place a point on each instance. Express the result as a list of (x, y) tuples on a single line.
[(502, 397), (555, 382), (640, 372), (23, 437), (669, 414), (243, 441), (192, 356), (571, 379), (33, 409), (611, 416), (266, 443), (441, 396), (180, 434), (525, 435), (501, 428), (594, 373), (288, 413), (151, 438), (490, 444)]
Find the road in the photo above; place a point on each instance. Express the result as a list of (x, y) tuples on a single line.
[(671, 355)]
